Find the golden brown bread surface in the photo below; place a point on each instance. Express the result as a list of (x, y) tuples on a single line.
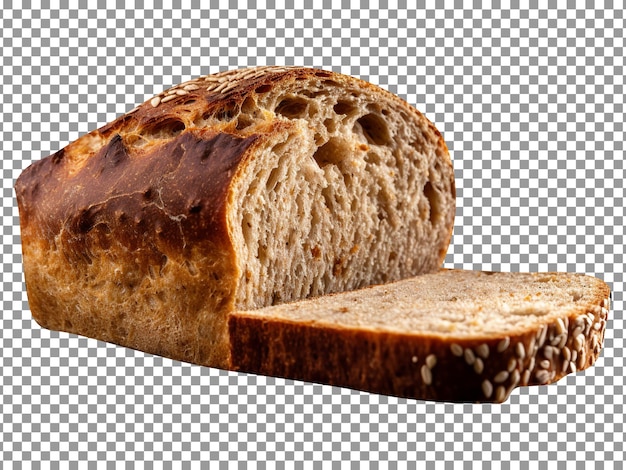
[(236, 190), (460, 336)]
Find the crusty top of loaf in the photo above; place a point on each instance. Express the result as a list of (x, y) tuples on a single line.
[(113, 170)]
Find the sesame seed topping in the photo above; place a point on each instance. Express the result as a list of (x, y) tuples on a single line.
[(182, 92), (155, 101), (483, 351), (511, 365), (456, 349), (414, 359), (487, 388), (579, 341), (500, 394), (427, 375), (572, 367), (531, 364), (479, 366), (566, 353), (545, 364), (560, 326), (503, 344), (574, 355), (605, 303), (431, 361), (557, 340), (531, 346), (191, 87), (541, 339), (542, 376), (597, 326), (501, 376), (515, 378), (519, 349), (565, 365), (470, 357), (548, 352), (578, 330), (562, 343), (582, 359), (526, 377), (168, 98)]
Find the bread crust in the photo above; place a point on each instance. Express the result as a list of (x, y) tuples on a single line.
[(421, 365), (124, 232)]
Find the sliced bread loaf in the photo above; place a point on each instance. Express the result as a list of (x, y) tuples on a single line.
[(463, 336), (237, 190)]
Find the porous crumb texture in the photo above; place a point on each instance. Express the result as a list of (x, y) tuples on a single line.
[(453, 335), (241, 189)]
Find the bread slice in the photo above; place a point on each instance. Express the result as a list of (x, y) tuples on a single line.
[(237, 190), (461, 336)]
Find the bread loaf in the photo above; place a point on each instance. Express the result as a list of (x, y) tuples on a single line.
[(233, 191), (461, 336)]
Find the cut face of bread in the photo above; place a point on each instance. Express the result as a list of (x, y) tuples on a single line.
[(242, 189), (454, 335)]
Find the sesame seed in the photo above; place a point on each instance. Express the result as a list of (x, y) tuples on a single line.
[(542, 335), (515, 378), (560, 327), (171, 91), (503, 344), (414, 359), (182, 92), (168, 98), (574, 355), (531, 346), (531, 364), (566, 353), (470, 357), (605, 303), (557, 340), (542, 376), (431, 361), (579, 322), (511, 365), (579, 341), (572, 367), (548, 352), (578, 330), (545, 364), (565, 365), (155, 101), (487, 388), (483, 351), (519, 349), (562, 343), (582, 359), (191, 87), (501, 376), (479, 366), (525, 377), (427, 375), (456, 349), (597, 326), (500, 394)]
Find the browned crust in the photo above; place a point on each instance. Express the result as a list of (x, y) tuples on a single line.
[(143, 196), (420, 366)]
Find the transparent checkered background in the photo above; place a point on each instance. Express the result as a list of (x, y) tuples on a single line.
[(531, 102)]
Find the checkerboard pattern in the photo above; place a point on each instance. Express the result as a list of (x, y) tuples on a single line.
[(530, 98)]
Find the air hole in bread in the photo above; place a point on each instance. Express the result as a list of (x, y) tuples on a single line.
[(330, 125), (332, 152), (292, 108), (263, 89), (344, 108), (189, 102), (373, 128), (164, 129), (228, 112), (434, 201)]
